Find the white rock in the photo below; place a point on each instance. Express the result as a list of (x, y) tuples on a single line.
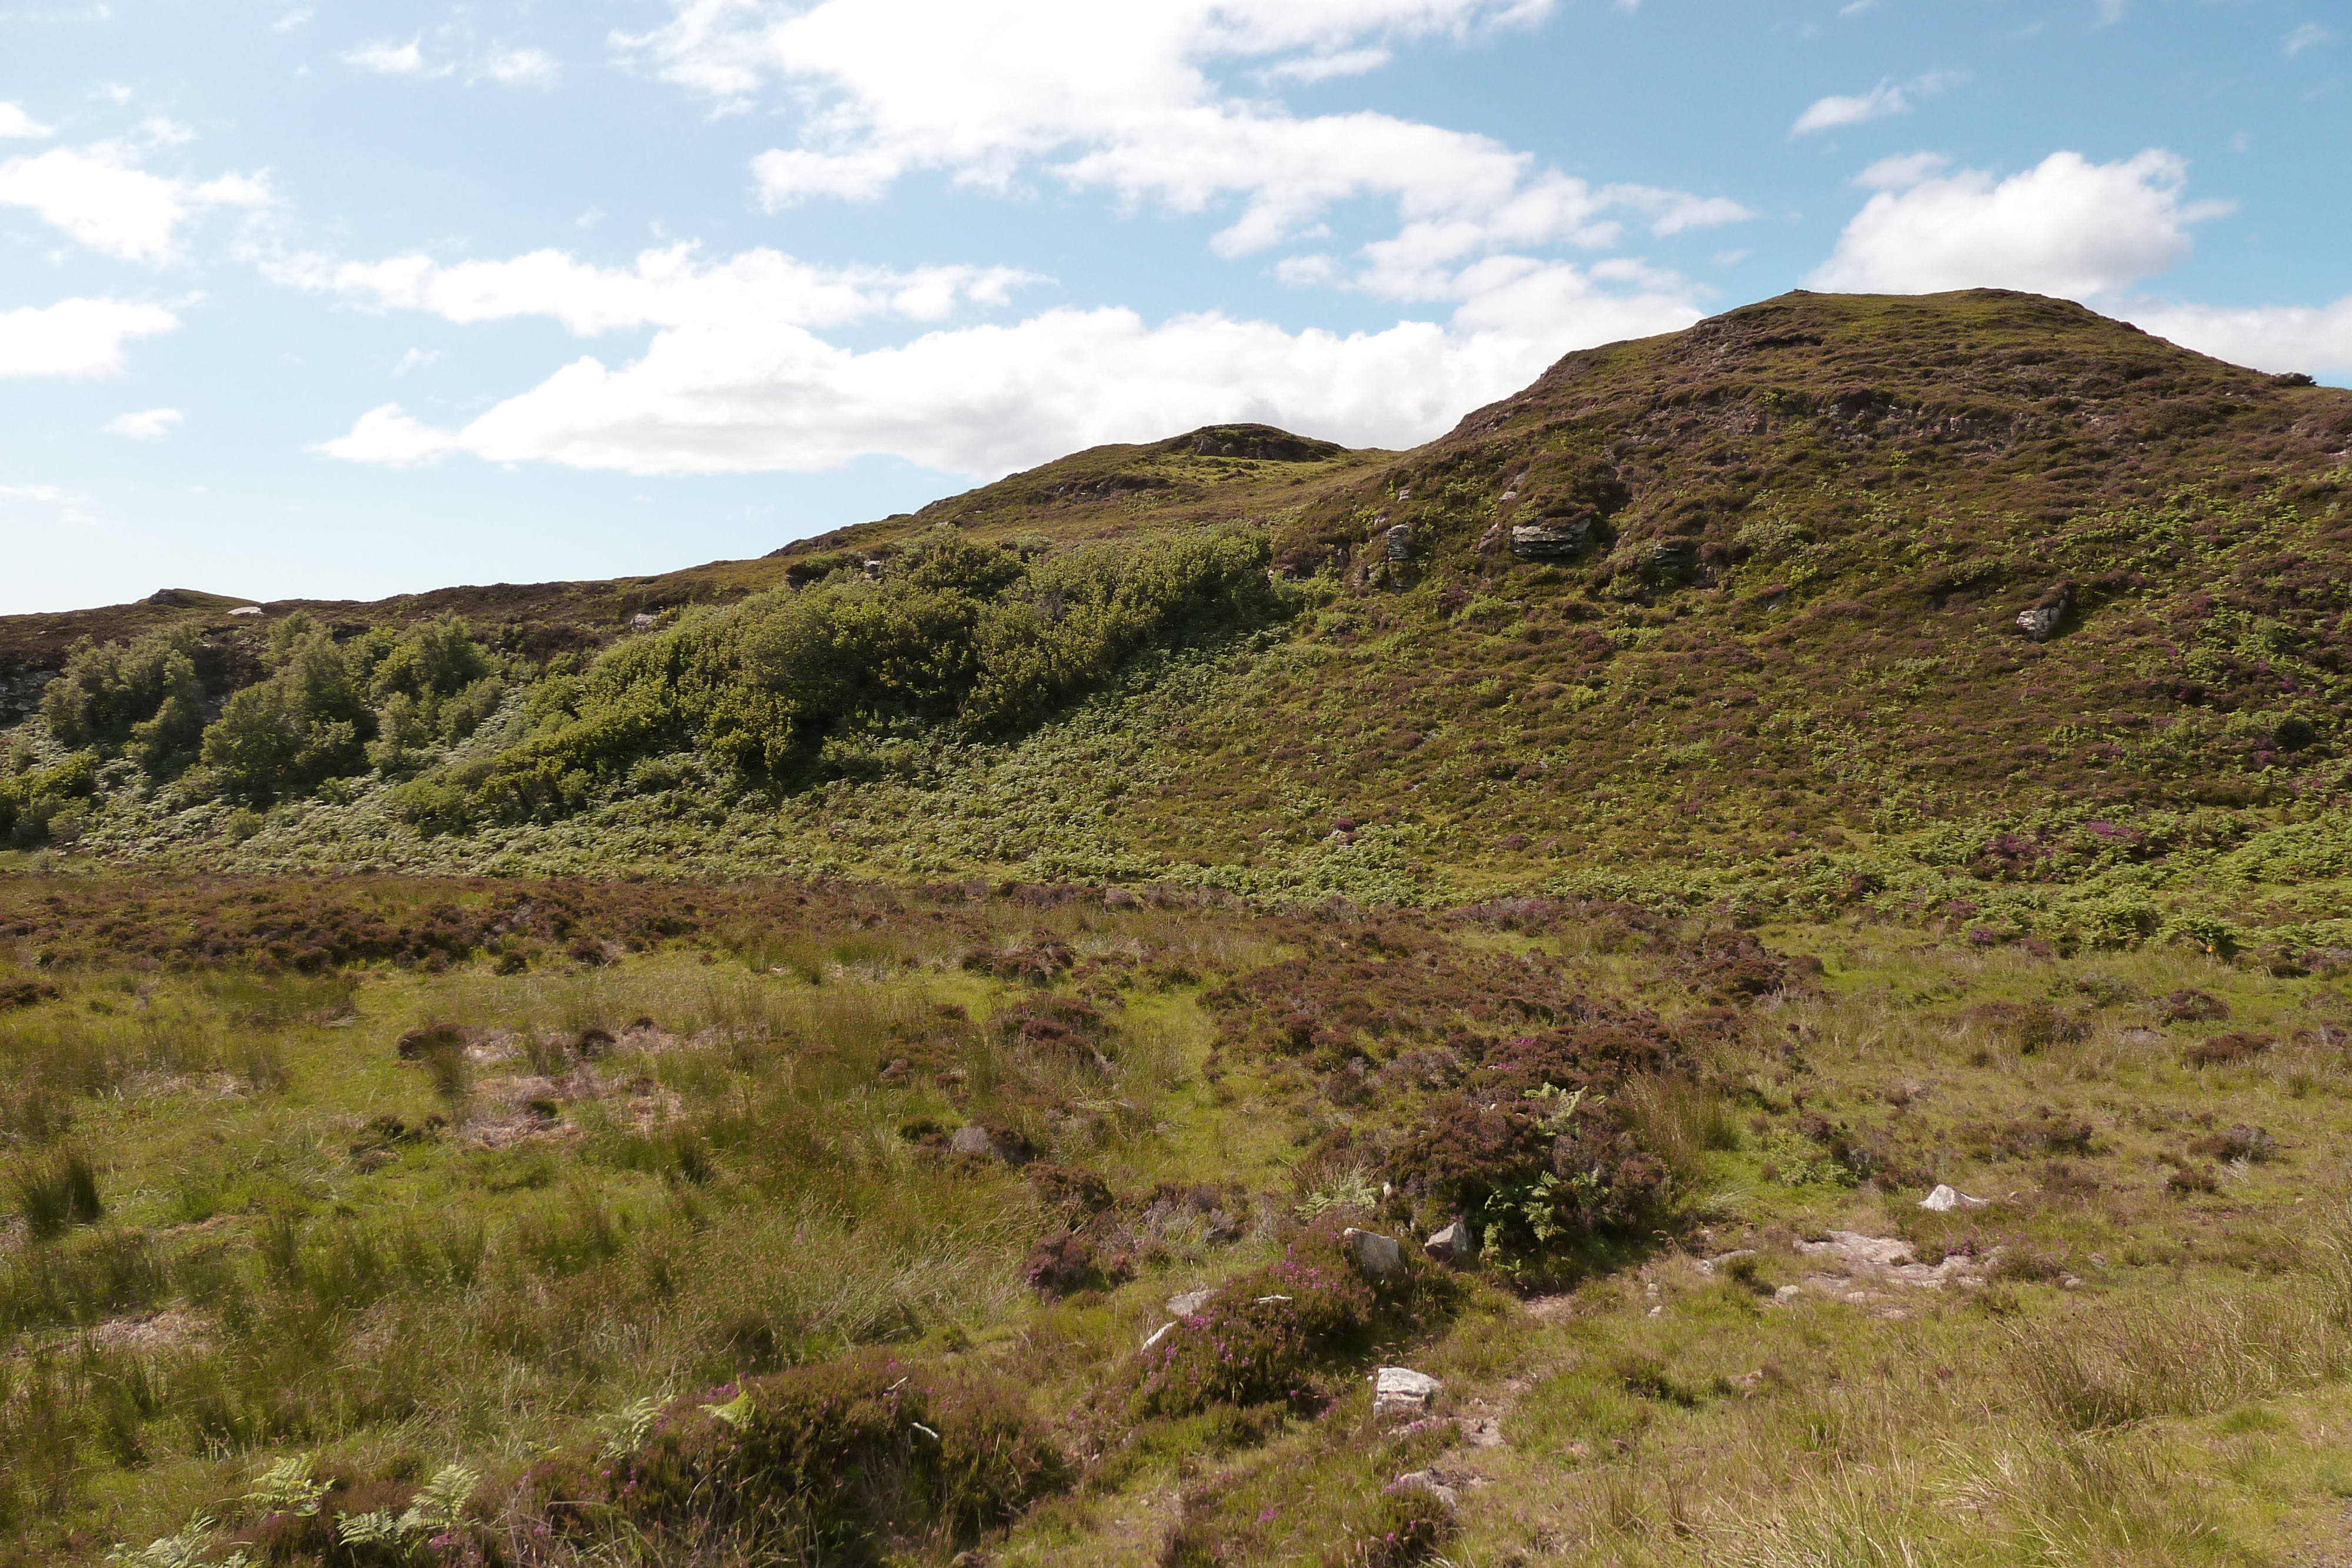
[(1191, 1301), (1450, 1244), (1376, 1255), (1157, 1335), (1787, 1292), (971, 1141), (1708, 1266), (1946, 1198), (1402, 1391)]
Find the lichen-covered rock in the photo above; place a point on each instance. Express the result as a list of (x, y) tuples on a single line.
[(1551, 539)]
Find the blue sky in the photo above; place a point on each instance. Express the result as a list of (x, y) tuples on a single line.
[(346, 300)]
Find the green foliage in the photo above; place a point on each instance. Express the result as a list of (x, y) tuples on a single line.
[(326, 709), (56, 1192), (829, 1463), (957, 633), (46, 803), (145, 694)]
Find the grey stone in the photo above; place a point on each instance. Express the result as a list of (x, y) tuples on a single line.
[(1398, 542), (1191, 1301), (1551, 539), (1162, 1332), (971, 1141), (1451, 1244), (2041, 623), (1710, 1265), (1402, 1391), (1946, 1198), (1377, 1256)]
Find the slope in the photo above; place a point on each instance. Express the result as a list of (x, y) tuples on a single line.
[(1756, 643)]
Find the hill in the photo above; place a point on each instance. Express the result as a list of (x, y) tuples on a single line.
[(1773, 662), (1744, 961)]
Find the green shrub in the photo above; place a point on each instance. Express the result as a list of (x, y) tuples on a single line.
[(834, 1463), (1265, 1336), (957, 633)]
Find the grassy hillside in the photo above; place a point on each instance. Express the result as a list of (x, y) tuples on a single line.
[(913, 1049), (366, 1221), (1784, 674)]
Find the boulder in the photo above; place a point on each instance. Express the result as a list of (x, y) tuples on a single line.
[(1551, 539), (1674, 558), (1946, 1198), (1451, 1245), (973, 1140), (1402, 1391), (1398, 542), (1377, 1256), (1191, 1301), (2041, 623), (1162, 1332)]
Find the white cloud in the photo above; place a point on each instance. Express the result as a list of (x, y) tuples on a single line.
[(1304, 271), (2109, 12), (732, 384), (18, 125), (76, 337), (2269, 337), (1902, 171), (1885, 99), (2066, 226), (147, 425), (52, 502), (388, 59), (389, 436), (416, 360), (1324, 68), (2311, 35), (667, 287), (521, 68), (99, 196), (1115, 98), (291, 20), (985, 399)]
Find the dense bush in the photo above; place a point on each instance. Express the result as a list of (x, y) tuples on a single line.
[(143, 694), (41, 803), (957, 632), (1265, 1337), (835, 1463)]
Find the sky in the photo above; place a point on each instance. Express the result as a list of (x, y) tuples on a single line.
[(347, 300)]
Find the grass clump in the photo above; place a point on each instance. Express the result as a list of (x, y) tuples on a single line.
[(838, 1463)]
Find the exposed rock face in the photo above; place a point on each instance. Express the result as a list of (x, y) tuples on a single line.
[(2041, 623), (1377, 1256), (1676, 558), (1946, 1198), (1398, 542), (1551, 539), (1402, 1391), (1451, 1245)]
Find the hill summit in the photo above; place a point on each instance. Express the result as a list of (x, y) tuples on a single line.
[(1976, 603)]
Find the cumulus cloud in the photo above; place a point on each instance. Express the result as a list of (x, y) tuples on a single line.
[(520, 68), (76, 337), (2066, 226), (1885, 99), (2315, 338), (99, 196), (147, 425), (388, 59), (666, 288), (18, 125), (1119, 99), (732, 385)]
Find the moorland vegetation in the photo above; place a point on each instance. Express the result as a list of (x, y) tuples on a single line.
[(893, 1050)]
